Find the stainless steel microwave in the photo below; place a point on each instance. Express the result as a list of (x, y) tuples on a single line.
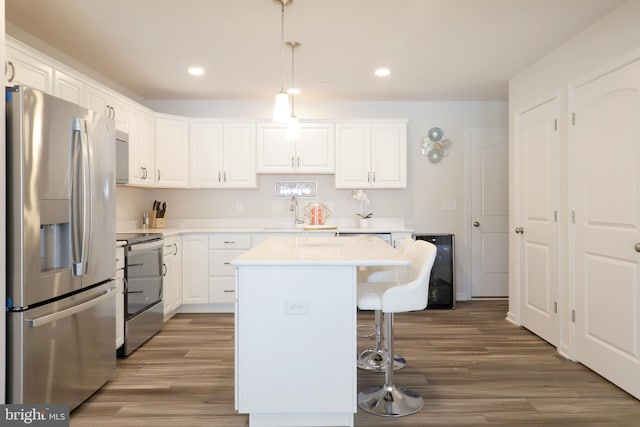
[(122, 157)]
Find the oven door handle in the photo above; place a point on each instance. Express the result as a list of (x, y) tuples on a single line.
[(141, 247), (40, 321)]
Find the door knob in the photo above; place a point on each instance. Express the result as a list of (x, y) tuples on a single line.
[(637, 247), (476, 224), (520, 230)]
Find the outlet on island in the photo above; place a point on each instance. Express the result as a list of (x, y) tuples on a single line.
[(297, 307), (239, 207)]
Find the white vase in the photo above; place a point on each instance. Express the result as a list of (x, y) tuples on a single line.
[(364, 222)]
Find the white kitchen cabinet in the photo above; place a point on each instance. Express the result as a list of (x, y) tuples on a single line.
[(223, 247), (25, 67), (119, 297), (195, 268), (109, 103), (222, 154), (172, 148), (172, 277), (314, 152), (141, 148), (371, 154), (68, 87)]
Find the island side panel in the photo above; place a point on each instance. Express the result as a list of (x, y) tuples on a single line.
[(296, 343)]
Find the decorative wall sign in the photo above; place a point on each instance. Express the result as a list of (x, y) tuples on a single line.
[(434, 146), (296, 188)]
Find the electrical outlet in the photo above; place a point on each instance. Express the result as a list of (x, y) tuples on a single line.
[(297, 307), (239, 207)]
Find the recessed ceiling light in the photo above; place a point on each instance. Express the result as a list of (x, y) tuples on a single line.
[(382, 72), (196, 71)]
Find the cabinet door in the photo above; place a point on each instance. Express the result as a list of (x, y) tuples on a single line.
[(172, 148), (239, 155), (119, 308), (102, 101), (141, 148), (195, 269), (68, 88), (353, 155), (315, 151), (172, 280), (28, 70), (205, 154), (388, 155), (275, 154)]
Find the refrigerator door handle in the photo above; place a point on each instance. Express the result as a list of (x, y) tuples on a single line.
[(43, 320), (80, 181)]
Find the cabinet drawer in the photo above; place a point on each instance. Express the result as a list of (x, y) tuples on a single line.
[(120, 258), (222, 290), (220, 262), (230, 241)]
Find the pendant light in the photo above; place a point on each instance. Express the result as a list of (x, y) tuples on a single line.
[(293, 127), (281, 105)]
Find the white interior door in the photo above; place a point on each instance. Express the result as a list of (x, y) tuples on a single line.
[(607, 225), (489, 212), (538, 153)]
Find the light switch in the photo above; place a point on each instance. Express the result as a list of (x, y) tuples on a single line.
[(449, 205)]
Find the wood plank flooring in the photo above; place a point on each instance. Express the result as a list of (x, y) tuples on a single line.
[(471, 366)]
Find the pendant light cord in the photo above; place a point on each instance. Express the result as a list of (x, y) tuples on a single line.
[(282, 49), (293, 86)]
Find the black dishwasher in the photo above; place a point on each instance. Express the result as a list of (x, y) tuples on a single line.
[(442, 285)]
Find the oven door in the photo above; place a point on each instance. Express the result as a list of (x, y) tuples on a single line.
[(144, 276)]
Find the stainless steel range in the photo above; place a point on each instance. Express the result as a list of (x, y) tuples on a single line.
[(143, 288)]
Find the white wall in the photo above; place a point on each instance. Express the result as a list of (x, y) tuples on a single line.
[(420, 204), (613, 38)]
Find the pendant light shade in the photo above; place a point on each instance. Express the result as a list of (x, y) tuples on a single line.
[(281, 110), (293, 128)]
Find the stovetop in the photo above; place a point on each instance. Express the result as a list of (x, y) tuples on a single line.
[(131, 238)]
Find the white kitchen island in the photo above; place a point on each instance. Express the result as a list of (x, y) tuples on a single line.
[(296, 328)]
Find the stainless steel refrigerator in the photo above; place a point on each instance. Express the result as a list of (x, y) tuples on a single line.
[(60, 249)]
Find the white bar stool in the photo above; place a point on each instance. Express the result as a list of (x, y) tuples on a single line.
[(373, 359), (389, 400)]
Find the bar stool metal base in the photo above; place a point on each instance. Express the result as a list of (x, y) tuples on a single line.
[(390, 401), (372, 360)]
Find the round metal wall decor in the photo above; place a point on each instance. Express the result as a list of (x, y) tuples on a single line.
[(434, 146)]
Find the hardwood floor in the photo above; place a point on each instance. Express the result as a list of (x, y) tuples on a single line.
[(471, 366)]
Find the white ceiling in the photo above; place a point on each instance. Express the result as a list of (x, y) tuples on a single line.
[(436, 49)]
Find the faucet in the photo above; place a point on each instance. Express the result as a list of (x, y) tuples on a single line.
[(293, 207)]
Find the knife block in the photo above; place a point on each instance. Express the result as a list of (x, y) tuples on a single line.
[(155, 222)]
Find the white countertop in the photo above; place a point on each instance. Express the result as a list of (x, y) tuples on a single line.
[(260, 225), (306, 249)]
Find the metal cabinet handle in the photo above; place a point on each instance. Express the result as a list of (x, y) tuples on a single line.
[(224, 176), (368, 176), (298, 162), (12, 68), (175, 245), (293, 165), (374, 177), (159, 175), (164, 273), (476, 224), (219, 176), (519, 230), (229, 242), (637, 247)]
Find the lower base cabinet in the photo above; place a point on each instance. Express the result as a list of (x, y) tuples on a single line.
[(172, 276)]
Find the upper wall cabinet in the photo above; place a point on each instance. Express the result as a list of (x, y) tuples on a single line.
[(142, 170), (68, 87), (222, 154), (102, 101), (371, 154), (22, 68), (172, 152), (314, 152)]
